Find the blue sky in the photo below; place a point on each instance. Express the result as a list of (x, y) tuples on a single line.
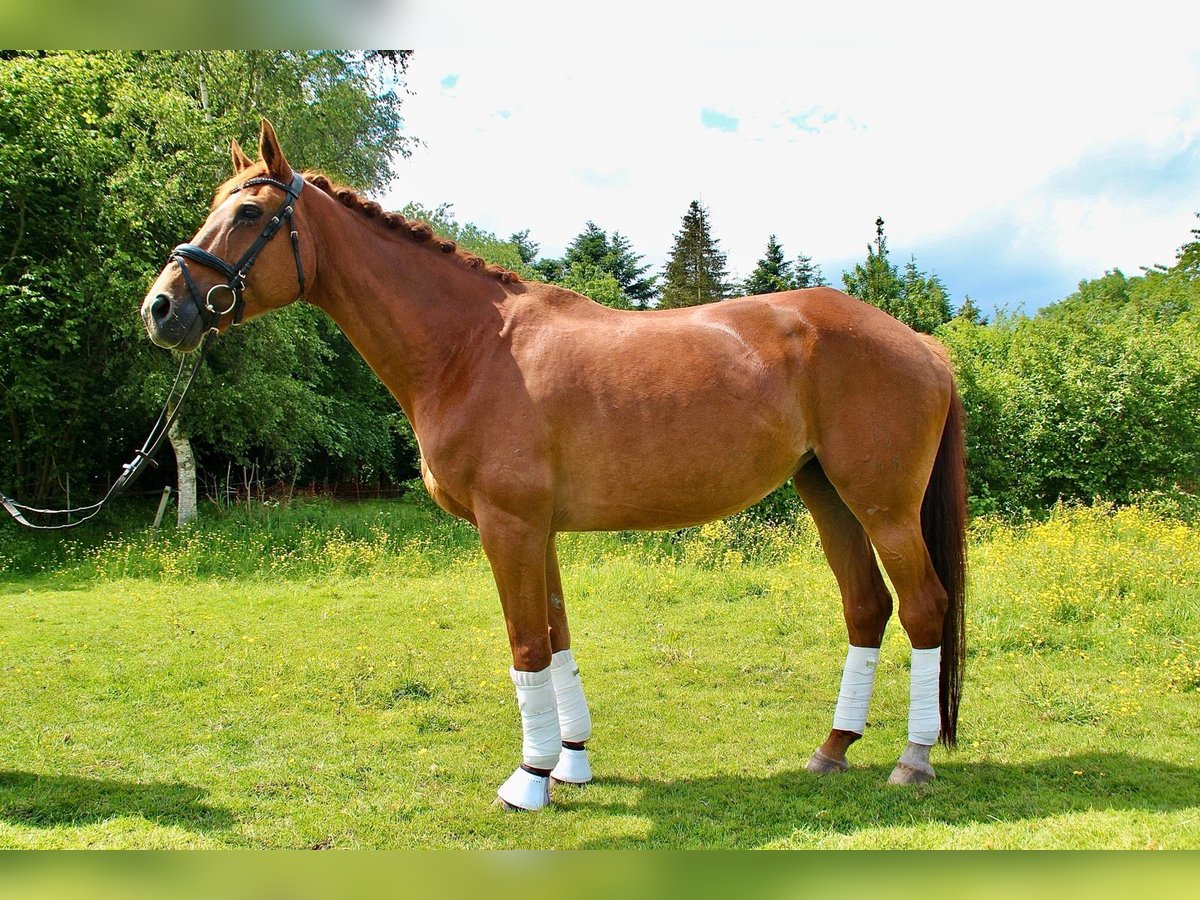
[(1012, 150)]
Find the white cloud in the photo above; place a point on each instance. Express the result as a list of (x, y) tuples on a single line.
[(943, 122)]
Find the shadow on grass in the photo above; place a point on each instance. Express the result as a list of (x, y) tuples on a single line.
[(44, 801), (749, 811)]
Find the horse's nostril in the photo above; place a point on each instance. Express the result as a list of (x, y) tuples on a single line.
[(160, 309)]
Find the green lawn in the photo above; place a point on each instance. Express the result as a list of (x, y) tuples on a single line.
[(336, 676)]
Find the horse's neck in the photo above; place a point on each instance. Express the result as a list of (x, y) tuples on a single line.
[(412, 313)]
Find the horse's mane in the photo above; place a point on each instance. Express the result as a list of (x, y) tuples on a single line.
[(422, 232)]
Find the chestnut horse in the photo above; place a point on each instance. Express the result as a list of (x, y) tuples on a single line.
[(530, 423)]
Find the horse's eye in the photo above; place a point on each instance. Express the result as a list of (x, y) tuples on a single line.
[(249, 212)]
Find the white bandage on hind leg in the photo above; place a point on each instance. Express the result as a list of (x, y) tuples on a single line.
[(858, 682), (542, 740), (924, 714), (574, 720)]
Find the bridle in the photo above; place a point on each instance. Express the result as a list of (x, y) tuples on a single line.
[(235, 274), (210, 315)]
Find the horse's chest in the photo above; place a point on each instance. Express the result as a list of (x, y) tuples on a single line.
[(441, 496)]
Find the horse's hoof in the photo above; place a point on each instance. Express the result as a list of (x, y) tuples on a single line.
[(524, 791), (820, 764), (906, 774), (913, 767), (572, 768)]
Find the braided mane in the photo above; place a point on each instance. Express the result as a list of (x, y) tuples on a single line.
[(420, 232)]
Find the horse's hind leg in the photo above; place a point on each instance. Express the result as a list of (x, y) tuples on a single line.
[(574, 718), (866, 604), (923, 604)]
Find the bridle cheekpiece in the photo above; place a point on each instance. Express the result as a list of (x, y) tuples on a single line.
[(235, 274)]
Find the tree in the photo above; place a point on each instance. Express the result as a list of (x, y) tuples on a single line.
[(591, 256), (923, 304), (695, 272), (773, 273), (971, 312), (594, 282), (590, 247), (106, 160), (630, 273), (525, 247), (510, 254), (917, 299), (875, 281), (806, 273), (1093, 397)]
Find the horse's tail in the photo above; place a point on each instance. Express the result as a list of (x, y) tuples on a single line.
[(944, 526)]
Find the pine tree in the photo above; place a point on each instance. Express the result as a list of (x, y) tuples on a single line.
[(971, 312), (594, 254), (590, 247), (626, 267), (918, 300), (696, 270), (876, 280), (527, 248), (806, 273), (924, 303), (773, 273)]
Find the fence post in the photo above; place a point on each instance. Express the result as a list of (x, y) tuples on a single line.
[(162, 507)]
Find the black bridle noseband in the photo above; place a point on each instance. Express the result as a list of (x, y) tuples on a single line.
[(235, 275), (210, 315)]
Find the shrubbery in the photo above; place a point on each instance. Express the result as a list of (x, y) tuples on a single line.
[(1094, 397)]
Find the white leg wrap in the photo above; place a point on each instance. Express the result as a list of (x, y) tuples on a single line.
[(858, 682), (539, 718), (574, 720), (924, 715)]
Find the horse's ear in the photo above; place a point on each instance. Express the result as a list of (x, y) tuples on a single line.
[(272, 153), (238, 155)]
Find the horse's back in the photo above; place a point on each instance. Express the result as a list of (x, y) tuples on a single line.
[(669, 417)]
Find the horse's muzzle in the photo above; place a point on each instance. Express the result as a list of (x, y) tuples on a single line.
[(171, 323)]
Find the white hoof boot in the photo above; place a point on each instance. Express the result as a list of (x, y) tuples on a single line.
[(524, 790), (573, 767)]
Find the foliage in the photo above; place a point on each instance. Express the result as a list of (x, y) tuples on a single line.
[(876, 280), (526, 248), (1093, 397), (602, 267), (969, 311), (806, 273), (596, 283), (917, 299), (107, 160), (773, 273), (923, 303), (695, 272), (507, 253)]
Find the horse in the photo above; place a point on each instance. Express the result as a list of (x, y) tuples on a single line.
[(529, 424)]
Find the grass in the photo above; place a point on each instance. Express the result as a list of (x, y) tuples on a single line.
[(335, 676)]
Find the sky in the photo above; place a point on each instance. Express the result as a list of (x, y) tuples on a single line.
[(1013, 149)]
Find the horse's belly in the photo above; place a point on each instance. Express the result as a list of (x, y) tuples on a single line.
[(683, 482)]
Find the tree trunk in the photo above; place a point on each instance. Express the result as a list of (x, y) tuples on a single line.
[(185, 464)]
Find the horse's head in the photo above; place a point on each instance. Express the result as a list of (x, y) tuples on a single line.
[(248, 256)]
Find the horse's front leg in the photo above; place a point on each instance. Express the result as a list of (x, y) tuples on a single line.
[(516, 549), (574, 718)]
